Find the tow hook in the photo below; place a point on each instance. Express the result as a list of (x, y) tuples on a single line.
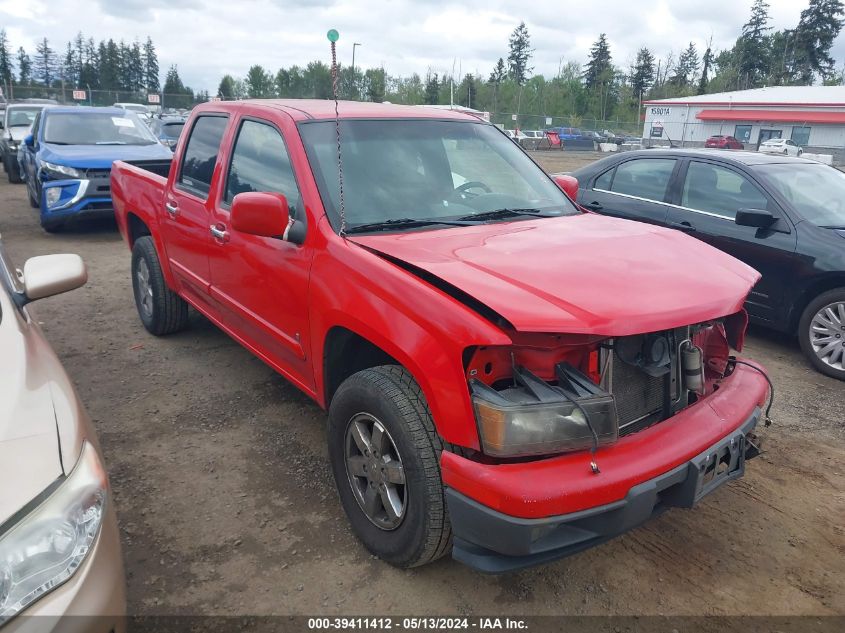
[(753, 446)]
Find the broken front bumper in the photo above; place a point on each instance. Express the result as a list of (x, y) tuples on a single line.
[(510, 516)]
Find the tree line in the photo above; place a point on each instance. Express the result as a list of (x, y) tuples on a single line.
[(105, 66), (601, 89)]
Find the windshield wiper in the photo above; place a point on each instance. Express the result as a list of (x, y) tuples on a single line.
[(396, 223), (502, 213), (110, 143)]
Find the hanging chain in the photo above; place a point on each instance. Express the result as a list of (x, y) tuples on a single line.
[(337, 133)]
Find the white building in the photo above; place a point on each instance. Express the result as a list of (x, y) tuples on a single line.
[(812, 116)]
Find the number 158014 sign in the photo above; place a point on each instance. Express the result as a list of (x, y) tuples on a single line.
[(660, 111)]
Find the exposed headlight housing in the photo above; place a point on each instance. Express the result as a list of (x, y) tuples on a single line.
[(536, 418), (60, 171), (49, 544)]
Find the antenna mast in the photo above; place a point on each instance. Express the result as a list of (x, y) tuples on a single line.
[(333, 36)]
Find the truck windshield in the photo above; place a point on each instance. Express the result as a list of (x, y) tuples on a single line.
[(95, 128), (412, 173), (816, 191)]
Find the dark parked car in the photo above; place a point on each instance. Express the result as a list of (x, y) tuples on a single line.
[(719, 141), (783, 216), (167, 130)]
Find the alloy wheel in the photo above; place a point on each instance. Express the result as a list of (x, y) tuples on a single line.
[(375, 471), (827, 335), (144, 291)]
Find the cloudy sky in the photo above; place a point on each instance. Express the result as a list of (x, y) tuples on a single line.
[(209, 39)]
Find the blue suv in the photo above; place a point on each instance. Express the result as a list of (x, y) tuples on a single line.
[(66, 161)]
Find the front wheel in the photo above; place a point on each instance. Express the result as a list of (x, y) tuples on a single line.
[(385, 456), (821, 332), (162, 311), (13, 170), (800, 151)]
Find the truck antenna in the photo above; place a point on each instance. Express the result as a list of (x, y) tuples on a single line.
[(333, 37)]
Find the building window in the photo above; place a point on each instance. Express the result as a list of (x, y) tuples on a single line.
[(801, 135), (743, 133)]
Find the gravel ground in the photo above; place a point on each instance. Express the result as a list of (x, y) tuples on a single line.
[(226, 503)]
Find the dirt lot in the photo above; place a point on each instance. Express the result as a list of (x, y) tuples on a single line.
[(227, 506)]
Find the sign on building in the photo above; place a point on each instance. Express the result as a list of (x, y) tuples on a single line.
[(79, 95), (153, 98), (657, 130), (660, 111)]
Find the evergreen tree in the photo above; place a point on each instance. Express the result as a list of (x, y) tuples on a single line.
[(707, 61), (259, 83), (599, 63), (499, 74), (108, 57), (642, 74), (818, 27), (753, 45), (432, 89), (151, 69), (686, 70), (24, 67), (7, 67), (68, 66), (226, 89), (135, 68), (44, 63), (519, 54), (89, 75)]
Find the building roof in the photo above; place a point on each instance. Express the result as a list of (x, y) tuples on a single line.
[(774, 95)]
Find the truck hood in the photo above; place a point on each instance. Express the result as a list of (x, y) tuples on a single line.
[(585, 274), (100, 156), (29, 440)]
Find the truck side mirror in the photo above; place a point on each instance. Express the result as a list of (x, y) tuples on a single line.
[(28, 140), (261, 213), (569, 184), (756, 218)]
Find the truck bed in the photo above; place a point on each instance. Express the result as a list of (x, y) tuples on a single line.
[(137, 187), (160, 167)]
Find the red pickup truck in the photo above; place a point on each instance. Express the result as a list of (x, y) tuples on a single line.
[(507, 377)]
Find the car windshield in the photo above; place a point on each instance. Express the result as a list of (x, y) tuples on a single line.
[(21, 117), (816, 191), (172, 130), (426, 171), (95, 128)]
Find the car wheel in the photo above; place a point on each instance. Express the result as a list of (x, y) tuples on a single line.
[(821, 332), (385, 456), (162, 311), (800, 151), (13, 172)]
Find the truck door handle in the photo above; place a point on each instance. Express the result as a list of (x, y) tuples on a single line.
[(594, 206), (172, 209), (219, 232)]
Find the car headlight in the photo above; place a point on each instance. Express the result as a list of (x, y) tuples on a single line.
[(535, 418), (49, 544), (59, 171)]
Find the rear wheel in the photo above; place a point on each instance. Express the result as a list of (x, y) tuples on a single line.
[(821, 332), (385, 456), (162, 311)]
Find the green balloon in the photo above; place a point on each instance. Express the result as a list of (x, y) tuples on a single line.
[(333, 35)]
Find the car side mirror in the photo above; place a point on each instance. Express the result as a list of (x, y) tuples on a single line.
[(48, 275), (756, 218), (28, 140), (569, 184), (264, 214)]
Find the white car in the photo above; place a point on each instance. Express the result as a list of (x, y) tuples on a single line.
[(138, 108), (780, 146)]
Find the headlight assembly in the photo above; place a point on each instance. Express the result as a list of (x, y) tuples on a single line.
[(48, 545), (536, 418), (60, 171)]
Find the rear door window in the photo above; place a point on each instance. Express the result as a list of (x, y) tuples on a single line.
[(646, 178), (201, 154)]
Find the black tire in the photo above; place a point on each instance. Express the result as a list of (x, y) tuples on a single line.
[(392, 396), (800, 152), (32, 201), (13, 171), (168, 312), (831, 297)]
